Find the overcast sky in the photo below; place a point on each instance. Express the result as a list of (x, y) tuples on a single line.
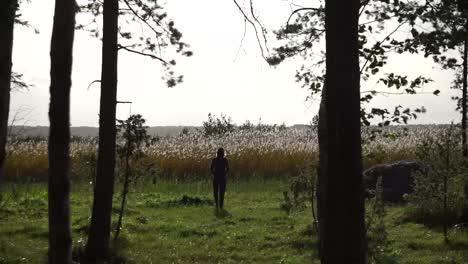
[(219, 78)]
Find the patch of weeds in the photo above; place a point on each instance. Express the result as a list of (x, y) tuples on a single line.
[(33, 206)]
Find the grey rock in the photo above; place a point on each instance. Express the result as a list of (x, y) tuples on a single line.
[(397, 179)]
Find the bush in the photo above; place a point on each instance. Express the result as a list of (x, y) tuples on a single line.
[(438, 192)]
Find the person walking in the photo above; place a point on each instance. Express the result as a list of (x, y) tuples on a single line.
[(219, 169)]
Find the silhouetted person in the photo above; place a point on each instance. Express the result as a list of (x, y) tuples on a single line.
[(219, 169)]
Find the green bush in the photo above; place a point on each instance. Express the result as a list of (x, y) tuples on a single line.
[(440, 182)]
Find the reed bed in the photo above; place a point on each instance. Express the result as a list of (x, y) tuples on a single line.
[(265, 154)]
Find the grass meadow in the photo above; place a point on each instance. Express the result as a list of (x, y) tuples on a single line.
[(170, 217), (160, 226)]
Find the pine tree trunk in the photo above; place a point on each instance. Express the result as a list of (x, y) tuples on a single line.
[(464, 215), (343, 233), (61, 56), (99, 234), (7, 15), (464, 94)]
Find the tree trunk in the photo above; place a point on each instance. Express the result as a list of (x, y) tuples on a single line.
[(343, 232), (61, 56), (99, 233), (7, 17), (464, 94), (464, 215), (124, 192)]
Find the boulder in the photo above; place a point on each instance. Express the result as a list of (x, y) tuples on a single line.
[(397, 179)]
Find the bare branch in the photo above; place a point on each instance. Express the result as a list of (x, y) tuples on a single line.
[(261, 27), (300, 10), (392, 93), (254, 27), (380, 42), (142, 53), (91, 83), (157, 33), (139, 17), (242, 40)]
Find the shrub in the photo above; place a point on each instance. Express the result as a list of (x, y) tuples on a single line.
[(438, 192)]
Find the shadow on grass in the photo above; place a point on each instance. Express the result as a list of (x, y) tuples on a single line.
[(457, 245), (184, 201), (222, 213), (115, 254), (196, 233), (31, 231)]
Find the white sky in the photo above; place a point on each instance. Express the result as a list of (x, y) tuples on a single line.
[(217, 79)]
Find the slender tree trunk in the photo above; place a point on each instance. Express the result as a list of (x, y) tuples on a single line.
[(124, 191), (99, 233), (7, 17), (61, 56), (343, 232), (464, 216), (464, 95)]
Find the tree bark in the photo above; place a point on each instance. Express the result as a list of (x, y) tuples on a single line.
[(343, 232), (61, 56), (99, 234), (464, 94), (7, 18), (464, 215)]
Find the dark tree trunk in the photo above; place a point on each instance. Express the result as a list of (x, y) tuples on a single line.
[(61, 57), (99, 233), (124, 191), (464, 215), (342, 210), (7, 18), (464, 94)]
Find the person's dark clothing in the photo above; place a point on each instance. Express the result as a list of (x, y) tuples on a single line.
[(219, 188), (219, 169)]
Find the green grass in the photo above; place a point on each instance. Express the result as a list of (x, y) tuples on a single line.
[(159, 228)]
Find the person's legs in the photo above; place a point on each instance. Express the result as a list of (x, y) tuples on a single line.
[(222, 190), (215, 192)]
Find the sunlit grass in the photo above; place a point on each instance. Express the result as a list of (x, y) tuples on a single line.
[(159, 228)]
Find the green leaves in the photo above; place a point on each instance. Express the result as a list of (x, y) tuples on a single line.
[(399, 81)]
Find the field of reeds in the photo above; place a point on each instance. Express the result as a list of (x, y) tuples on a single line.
[(268, 153)]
